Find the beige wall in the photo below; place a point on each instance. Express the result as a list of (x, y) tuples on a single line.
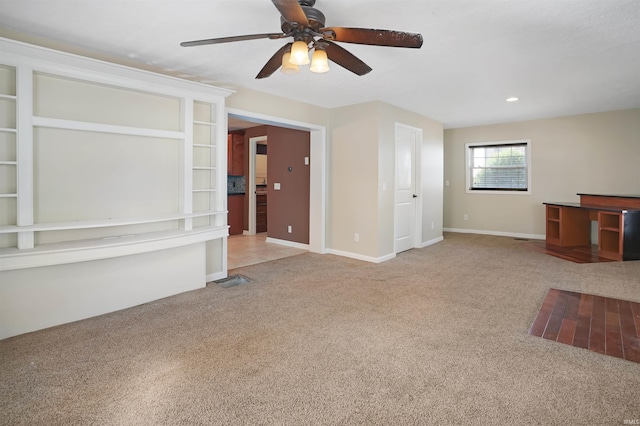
[(362, 173), (263, 103), (431, 171), (353, 174), (591, 153)]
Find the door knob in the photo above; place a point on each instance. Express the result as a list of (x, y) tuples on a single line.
[(415, 196)]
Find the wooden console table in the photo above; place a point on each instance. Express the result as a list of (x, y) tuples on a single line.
[(618, 217)]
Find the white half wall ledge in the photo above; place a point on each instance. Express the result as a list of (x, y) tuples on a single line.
[(37, 298), (89, 250), (496, 233)]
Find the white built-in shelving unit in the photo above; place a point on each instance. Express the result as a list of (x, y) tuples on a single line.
[(204, 164), (95, 157), (8, 160)]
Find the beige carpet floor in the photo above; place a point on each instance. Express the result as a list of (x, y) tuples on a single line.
[(435, 336)]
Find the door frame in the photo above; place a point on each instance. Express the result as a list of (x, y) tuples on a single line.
[(318, 171), (253, 142), (417, 162)]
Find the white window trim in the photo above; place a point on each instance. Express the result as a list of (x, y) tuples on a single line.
[(467, 168)]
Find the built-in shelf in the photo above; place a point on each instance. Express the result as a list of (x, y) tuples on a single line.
[(145, 143), (204, 162), (553, 224), (102, 223), (57, 123), (103, 248), (610, 221), (610, 243), (202, 135)]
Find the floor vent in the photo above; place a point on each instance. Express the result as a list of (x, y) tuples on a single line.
[(232, 281)]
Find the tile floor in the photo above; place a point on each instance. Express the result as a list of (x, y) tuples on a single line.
[(245, 250), (600, 324)]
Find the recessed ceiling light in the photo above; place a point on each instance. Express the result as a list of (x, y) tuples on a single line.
[(512, 99)]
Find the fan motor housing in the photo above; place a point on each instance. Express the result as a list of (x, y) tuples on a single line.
[(314, 16)]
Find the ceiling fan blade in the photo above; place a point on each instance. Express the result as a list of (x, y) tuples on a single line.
[(373, 37), (291, 11), (274, 63), (345, 59), (230, 39)]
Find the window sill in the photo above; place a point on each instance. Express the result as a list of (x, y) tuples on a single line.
[(490, 192)]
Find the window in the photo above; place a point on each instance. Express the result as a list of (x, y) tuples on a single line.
[(498, 166)]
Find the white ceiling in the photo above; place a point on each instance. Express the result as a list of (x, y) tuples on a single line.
[(560, 57)]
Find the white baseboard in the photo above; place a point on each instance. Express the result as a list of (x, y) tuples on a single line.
[(382, 258), (287, 243), (496, 233), (430, 242), (362, 257)]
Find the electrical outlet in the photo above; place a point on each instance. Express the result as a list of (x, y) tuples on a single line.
[(289, 229), (466, 217), (356, 237), (433, 225), (276, 186)]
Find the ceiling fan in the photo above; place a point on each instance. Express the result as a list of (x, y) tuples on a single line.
[(300, 20)]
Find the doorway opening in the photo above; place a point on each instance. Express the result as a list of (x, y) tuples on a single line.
[(317, 186), (256, 184)]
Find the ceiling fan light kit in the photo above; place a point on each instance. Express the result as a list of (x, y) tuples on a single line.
[(299, 53), (319, 61), (300, 20), (287, 66)]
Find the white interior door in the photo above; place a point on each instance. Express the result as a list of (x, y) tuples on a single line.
[(405, 189)]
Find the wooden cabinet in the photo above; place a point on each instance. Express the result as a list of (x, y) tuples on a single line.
[(261, 212), (235, 154), (553, 225), (566, 226), (610, 235), (235, 205), (618, 219)]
